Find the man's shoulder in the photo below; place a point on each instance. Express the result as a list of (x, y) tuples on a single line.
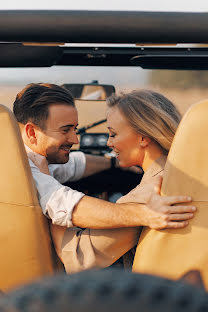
[(32, 165)]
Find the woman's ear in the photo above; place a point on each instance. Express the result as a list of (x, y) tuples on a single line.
[(145, 141), (30, 131)]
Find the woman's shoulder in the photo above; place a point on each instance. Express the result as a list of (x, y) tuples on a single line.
[(141, 193)]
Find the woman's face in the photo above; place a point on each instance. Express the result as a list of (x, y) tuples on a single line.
[(123, 139)]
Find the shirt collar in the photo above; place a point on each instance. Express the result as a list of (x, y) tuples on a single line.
[(37, 159)]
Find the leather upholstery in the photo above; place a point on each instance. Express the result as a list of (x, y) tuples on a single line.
[(26, 252), (172, 253)]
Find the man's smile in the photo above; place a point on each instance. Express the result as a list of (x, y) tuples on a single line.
[(66, 147)]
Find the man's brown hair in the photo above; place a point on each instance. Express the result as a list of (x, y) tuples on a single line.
[(31, 104)]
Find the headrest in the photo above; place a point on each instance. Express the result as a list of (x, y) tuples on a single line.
[(188, 156)]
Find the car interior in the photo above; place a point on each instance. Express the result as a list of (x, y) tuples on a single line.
[(150, 40)]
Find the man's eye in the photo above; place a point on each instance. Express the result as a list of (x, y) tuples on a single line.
[(112, 135), (65, 130)]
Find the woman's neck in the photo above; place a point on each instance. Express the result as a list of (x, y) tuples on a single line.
[(152, 152)]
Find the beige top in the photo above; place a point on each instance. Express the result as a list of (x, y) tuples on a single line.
[(141, 194), (83, 249)]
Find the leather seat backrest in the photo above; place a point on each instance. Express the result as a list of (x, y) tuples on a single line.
[(26, 252), (172, 253)]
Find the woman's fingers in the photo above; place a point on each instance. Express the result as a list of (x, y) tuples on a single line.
[(180, 217)]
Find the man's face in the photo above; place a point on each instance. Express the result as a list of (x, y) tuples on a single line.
[(56, 140)]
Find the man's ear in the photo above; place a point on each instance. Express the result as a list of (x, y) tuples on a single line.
[(145, 141), (30, 131)]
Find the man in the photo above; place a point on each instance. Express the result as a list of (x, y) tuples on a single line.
[(87, 232)]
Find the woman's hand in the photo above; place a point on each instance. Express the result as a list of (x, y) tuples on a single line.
[(163, 214)]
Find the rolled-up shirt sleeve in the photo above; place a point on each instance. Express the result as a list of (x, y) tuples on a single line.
[(57, 201), (73, 170)]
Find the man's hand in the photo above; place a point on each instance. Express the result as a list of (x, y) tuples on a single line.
[(161, 212)]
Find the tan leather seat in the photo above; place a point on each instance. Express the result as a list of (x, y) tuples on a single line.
[(172, 253), (26, 252)]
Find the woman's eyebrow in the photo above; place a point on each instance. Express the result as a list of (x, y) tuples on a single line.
[(110, 128)]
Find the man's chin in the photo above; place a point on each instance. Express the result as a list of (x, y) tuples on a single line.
[(65, 158), (58, 160)]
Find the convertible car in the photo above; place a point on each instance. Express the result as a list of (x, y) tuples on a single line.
[(148, 40)]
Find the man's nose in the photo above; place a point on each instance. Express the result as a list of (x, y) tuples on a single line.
[(72, 138)]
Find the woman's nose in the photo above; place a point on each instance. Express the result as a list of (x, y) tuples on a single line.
[(109, 142)]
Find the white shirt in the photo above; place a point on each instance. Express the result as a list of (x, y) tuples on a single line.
[(58, 201)]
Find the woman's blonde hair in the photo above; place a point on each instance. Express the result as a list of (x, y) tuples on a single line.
[(150, 114)]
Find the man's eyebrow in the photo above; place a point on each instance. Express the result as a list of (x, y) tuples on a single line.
[(68, 126)]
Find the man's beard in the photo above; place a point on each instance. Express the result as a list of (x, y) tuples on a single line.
[(55, 155)]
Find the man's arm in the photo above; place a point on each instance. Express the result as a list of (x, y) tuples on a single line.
[(95, 164), (79, 166), (158, 213), (67, 207)]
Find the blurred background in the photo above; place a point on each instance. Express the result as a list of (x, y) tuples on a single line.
[(182, 87)]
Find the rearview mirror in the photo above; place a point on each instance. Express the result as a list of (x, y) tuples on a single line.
[(93, 91)]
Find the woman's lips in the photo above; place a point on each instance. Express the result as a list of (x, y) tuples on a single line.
[(116, 154)]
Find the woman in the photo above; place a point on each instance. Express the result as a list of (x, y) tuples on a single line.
[(141, 126)]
